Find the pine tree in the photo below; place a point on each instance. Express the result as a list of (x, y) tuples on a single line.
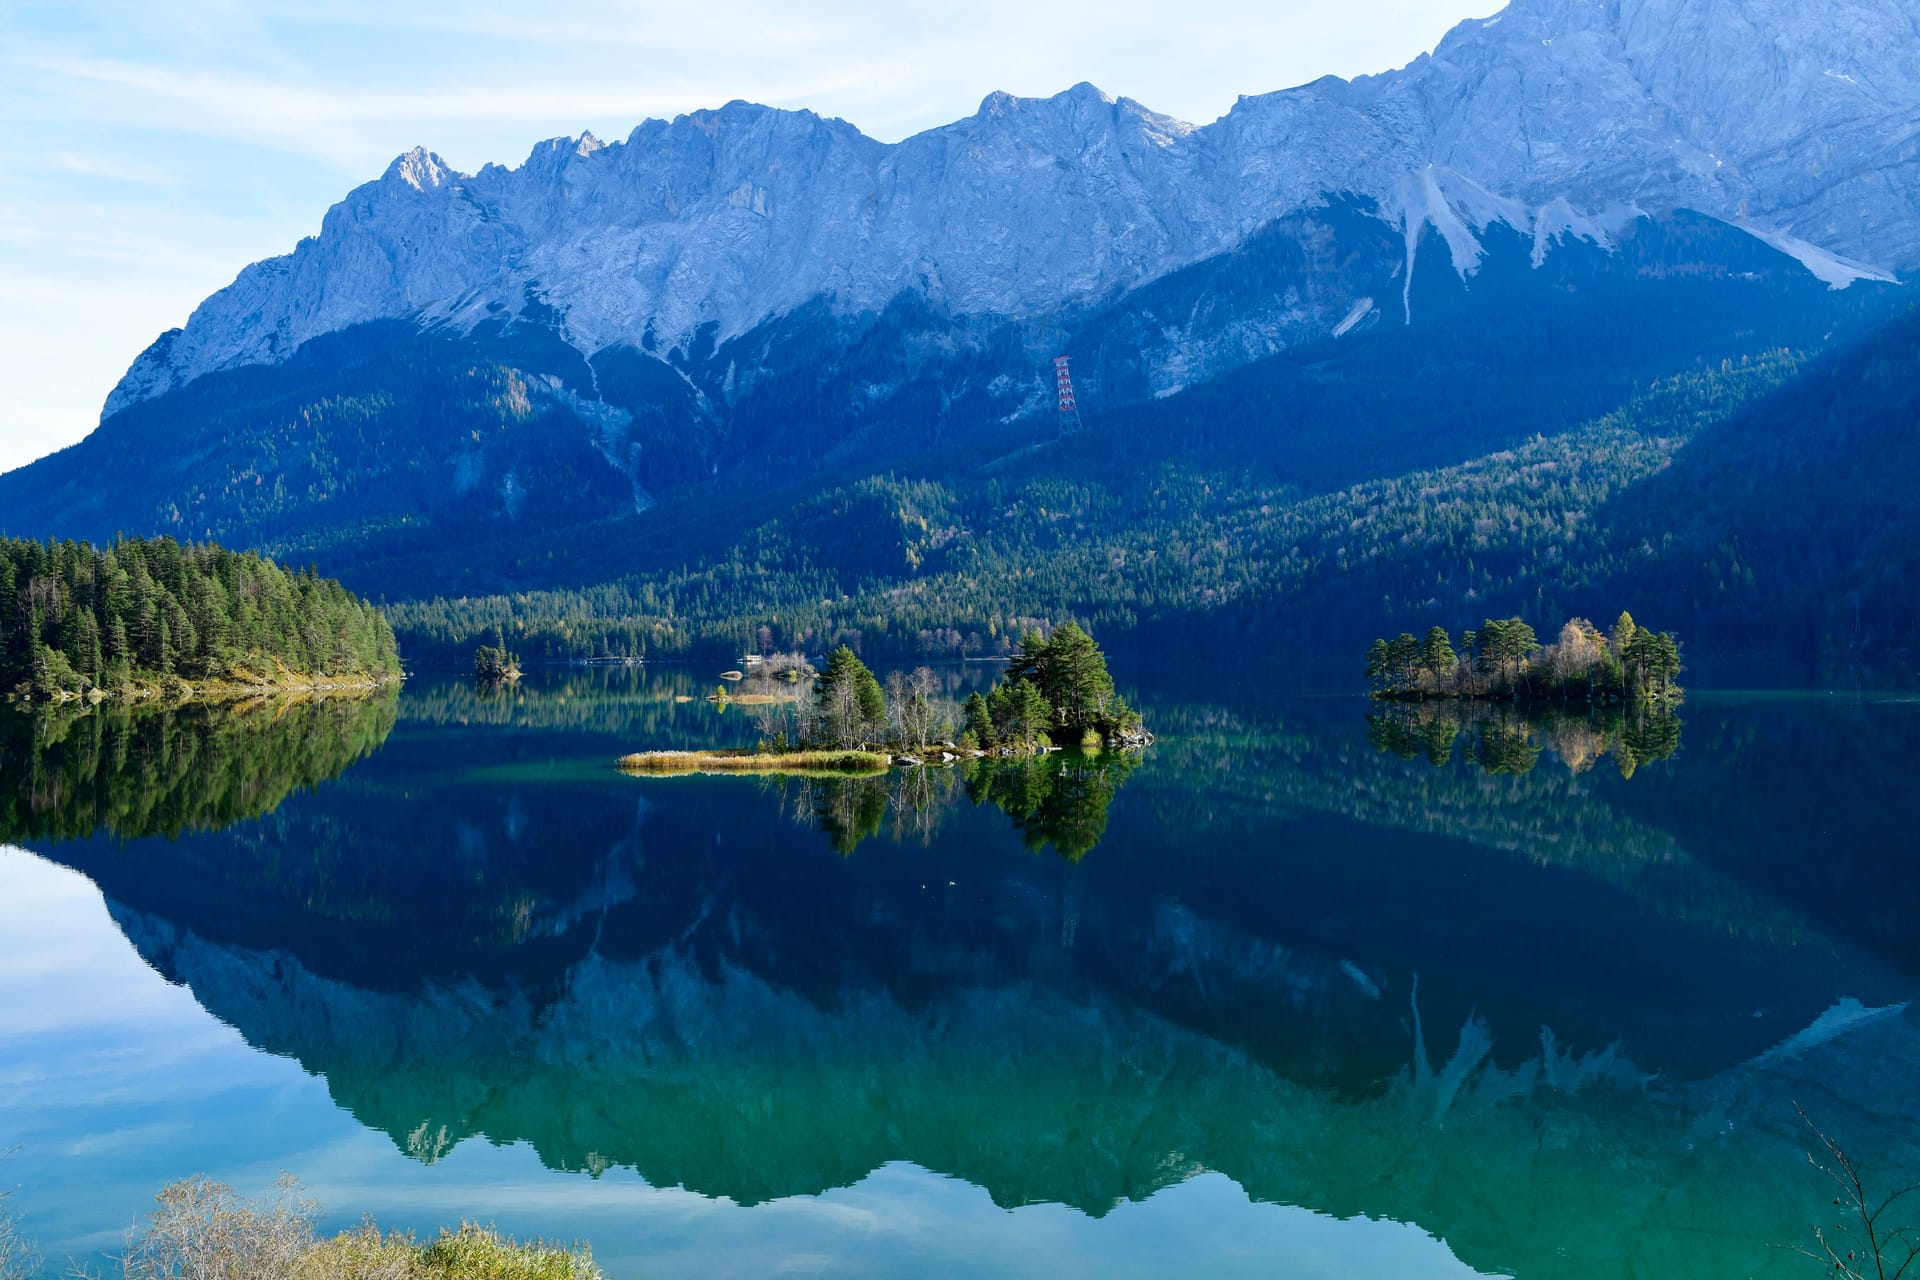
[(977, 722), (1437, 658), (849, 706), (1071, 674), (1378, 668)]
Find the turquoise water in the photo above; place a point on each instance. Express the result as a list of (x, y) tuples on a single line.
[(1303, 990)]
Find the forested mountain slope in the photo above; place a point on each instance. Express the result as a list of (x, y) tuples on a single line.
[(749, 367), (1762, 505), (416, 464)]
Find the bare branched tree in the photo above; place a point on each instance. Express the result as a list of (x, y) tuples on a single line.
[(204, 1230), (19, 1260), (921, 711), (919, 800), (1871, 1241)]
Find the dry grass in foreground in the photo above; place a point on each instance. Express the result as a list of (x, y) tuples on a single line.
[(205, 1229), (747, 760)]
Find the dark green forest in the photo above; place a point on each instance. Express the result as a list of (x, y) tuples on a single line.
[(141, 616), (1689, 425), (1763, 504)]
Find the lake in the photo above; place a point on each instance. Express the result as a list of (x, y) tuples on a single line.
[(1308, 988)]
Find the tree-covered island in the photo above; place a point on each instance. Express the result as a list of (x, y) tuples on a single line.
[(154, 618), (1505, 660), (1056, 693), (495, 664)]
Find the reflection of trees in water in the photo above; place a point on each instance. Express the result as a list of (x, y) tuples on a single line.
[(1058, 800), (1509, 740), (848, 810), (156, 771)]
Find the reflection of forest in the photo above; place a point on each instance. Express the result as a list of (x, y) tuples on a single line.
[(1307, 758), (664, 704), (682, 983), (1058, 800), (145, 771), (1501, 738)]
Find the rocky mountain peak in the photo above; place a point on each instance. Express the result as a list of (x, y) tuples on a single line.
[(1798, 121)]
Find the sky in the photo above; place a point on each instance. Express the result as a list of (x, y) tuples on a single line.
[(149, 152)]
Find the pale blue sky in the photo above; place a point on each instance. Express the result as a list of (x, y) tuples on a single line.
[(149, 151)]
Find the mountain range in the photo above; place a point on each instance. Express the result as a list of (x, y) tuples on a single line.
[(625, 362)]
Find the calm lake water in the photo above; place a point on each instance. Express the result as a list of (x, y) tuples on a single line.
[(1303, 990)]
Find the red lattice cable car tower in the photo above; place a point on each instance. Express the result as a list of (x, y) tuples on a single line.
[(1069, 411)]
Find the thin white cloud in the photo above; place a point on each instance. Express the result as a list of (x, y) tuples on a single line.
[(117, 170)]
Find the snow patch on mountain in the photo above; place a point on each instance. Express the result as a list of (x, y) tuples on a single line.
[(1360, 311), (1557, 222), (1830, 268)]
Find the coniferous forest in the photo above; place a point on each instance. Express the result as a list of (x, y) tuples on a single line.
[(1750, 485), (146, 616), (1505, 659), (1675, 503)]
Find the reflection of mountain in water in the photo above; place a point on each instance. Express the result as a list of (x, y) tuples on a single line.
[(466, 938), (147, 771), (712, 1077)]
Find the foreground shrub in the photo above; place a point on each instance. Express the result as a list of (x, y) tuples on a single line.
[(471, 1253), (204, 1230)]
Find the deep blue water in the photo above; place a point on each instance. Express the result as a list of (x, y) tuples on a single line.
[(1291, 993)]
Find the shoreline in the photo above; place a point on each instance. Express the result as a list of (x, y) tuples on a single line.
[(176, 692), (822, 762), (738, 760), (1674, 697)]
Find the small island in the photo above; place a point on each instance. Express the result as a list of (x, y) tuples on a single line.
[(1056, 693), (800, 763), (155, 620), (1504, 660), (494, 665), (769, 679)]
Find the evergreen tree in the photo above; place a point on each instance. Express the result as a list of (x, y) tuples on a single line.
[(1379, 667), (977, 722), (1403, 657), (849, 707), (1071, 674), (1504, 658), (1437, 658)]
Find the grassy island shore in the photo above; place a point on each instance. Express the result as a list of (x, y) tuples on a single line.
[(1057, 695), (825, 762)]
